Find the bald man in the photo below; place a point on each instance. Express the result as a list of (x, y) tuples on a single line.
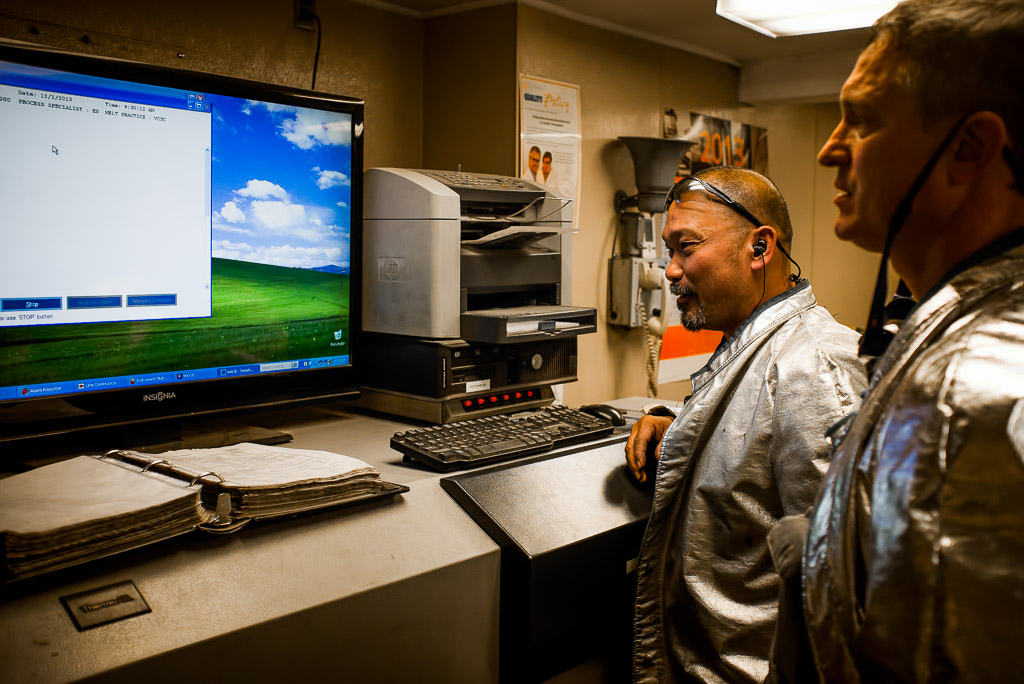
[(749, 445)]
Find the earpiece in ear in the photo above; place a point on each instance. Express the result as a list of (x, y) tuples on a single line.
[(760, 247)]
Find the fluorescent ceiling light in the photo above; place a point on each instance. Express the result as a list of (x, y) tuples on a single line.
[(795, 17)]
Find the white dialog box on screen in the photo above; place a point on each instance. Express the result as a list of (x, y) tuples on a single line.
[(94, 228)]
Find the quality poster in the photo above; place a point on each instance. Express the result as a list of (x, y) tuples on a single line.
[(549, 136)]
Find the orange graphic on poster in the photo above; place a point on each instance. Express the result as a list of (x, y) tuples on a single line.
[(680, 342)]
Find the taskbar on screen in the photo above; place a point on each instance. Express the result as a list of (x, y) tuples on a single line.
[(52, 389)]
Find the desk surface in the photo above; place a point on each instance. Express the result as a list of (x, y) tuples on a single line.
[(220, 596), (384, 591)]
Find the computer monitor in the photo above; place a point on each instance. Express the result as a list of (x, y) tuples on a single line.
[(174, 244)]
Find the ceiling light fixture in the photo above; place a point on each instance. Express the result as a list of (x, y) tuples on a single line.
[(796, 17)]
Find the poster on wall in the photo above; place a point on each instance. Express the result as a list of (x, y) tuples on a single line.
[(726, 143), (549, 136), (719, 142), (683, 353)]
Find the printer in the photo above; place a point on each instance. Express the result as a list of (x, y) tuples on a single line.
[(465, 282)]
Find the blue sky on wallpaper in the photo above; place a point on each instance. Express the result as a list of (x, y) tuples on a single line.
[(281, 184)]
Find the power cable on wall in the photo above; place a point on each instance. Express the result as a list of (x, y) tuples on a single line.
[(316, 55)]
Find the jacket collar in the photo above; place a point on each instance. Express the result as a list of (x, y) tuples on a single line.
[(762, 321), (1004, 244), (977, 272)]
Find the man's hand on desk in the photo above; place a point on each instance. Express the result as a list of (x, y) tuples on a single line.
[(643, 448)]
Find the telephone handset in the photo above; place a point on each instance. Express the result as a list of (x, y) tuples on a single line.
[(657, 298)]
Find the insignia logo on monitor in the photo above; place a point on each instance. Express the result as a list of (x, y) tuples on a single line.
[(159, 396), (390, 268)]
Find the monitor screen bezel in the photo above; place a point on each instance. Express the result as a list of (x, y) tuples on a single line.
[(25, 420)]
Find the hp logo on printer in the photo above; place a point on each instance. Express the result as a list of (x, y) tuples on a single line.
[(390, 268)]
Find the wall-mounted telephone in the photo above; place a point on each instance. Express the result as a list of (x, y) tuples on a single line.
[(640, 295), (637, 284)]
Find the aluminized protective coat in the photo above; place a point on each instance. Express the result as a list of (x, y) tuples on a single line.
[(747, 448), (914, 560)]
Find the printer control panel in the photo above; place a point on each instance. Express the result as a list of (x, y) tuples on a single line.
[(485, 187)]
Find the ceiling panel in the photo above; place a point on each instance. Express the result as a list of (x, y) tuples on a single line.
[(683, 23)]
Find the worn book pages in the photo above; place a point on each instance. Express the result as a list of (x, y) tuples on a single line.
[(87, 507), (84, 508), (261, 465), (264, 481)]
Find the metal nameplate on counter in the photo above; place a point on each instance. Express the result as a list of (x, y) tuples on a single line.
[(107, 604)]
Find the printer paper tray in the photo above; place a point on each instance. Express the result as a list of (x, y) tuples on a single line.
[(527, 323)]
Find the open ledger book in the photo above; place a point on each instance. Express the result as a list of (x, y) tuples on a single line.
[(93, 506)]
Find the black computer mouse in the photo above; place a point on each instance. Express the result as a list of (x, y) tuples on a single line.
[(609, 413)]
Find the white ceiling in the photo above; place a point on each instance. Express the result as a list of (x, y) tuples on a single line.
[(687, 24)]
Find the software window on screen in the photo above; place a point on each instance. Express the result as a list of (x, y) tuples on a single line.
[(138, 247)]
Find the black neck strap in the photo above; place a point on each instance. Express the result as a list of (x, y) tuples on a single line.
[(876, 338), (1016, 167)]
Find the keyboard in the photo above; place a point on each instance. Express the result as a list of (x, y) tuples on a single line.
[(479, 441)]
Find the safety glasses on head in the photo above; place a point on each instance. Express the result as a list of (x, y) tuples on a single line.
[(691, 183)]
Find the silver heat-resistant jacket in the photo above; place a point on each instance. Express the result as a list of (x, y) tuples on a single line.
[(747, 448), (914, 560)]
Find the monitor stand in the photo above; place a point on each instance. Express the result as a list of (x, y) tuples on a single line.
[(198, 434), (151, 438)]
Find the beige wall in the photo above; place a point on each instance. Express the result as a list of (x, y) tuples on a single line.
[(625, 84), (365, 52), (442, 91), (469, 84)]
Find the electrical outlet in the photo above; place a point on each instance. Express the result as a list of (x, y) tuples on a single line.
[(304, 11)]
